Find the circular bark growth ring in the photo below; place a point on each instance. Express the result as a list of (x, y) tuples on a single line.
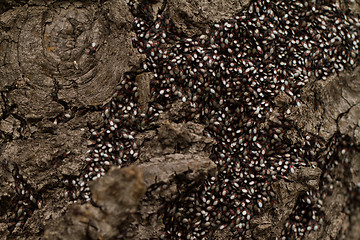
[(69, 51), (67, 33)]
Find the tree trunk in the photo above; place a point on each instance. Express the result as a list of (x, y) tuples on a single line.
[(91, 147)]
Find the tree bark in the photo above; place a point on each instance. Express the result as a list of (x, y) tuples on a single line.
[(61, 64)]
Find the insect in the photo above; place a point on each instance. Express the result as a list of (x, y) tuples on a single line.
[(92, 48)]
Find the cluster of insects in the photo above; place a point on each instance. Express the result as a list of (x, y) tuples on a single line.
[(230, 77)]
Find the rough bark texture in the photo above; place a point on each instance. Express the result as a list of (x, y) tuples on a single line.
[(54, 84)]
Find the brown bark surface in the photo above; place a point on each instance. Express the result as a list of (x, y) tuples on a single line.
[(61, 63)]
